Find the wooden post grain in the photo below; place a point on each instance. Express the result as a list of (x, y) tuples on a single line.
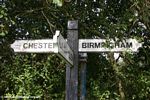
[(72, 72)]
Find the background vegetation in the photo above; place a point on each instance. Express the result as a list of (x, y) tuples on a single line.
[(44, 74)]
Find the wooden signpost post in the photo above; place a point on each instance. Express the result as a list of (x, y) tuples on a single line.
[(72, 72), (83, 64)]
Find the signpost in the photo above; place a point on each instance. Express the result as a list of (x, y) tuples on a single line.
[(102, 45), (68, 50), (59, 45), (33, 46), (83, 64), (72, 72), (56, 45), (62, 48)]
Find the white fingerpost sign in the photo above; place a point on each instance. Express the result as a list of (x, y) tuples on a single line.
[(63, 48), (56, 45), (102, 45), (33, 46)]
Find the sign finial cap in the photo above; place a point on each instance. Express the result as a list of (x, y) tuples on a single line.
[(73, 24)]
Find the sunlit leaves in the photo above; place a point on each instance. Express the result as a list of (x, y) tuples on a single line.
[(58, 2), (44, 74)]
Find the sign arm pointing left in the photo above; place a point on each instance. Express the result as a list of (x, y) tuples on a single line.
[(56, 45)]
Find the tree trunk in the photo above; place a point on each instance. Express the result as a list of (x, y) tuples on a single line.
[(121, 92), (116, 71)]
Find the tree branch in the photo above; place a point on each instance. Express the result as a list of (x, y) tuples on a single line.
[(50, 25)]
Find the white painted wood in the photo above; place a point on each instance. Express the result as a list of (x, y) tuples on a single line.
[(56, 45), (33, 46), (63, 48), (102, 45)]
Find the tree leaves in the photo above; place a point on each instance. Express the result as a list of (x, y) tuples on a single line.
[(58, 2), (44, 74)]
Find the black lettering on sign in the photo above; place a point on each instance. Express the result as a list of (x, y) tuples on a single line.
[(122, 45), (35, 45), (45, 45), (97, 45), (62, 45), (83, 45), (25, 45), (70, 56), (30, 45), (40, 45), (111, 45), (50, 45), (87, 45), (129, 45), (91, 45)]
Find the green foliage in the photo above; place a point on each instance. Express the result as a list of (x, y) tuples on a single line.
[(58, 2), (32, 76), (44, 74), (4, 18)]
